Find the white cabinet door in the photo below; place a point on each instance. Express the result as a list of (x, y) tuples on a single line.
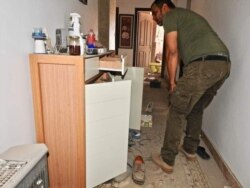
[(136, 75), (107, 125)]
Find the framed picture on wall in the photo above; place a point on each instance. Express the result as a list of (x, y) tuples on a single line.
[(126, 22), (84, 1)]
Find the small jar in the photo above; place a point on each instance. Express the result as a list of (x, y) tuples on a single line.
[(74, 45)]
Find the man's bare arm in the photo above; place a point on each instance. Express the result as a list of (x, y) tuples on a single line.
[(172, 58)]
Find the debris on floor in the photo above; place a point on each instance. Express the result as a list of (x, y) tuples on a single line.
[(124, 175), (146, 120), (149, 107), (134, 134)]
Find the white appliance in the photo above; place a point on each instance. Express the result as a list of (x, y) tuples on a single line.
[(24, 166)]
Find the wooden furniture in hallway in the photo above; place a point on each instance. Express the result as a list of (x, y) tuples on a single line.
[(81, 121)]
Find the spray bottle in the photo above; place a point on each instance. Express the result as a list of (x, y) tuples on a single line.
[(74, 34)]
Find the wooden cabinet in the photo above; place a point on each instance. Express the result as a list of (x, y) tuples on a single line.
[(58, 96), (85, 126)]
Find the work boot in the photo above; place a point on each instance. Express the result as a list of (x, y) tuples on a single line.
[(189, 156), (157, 159)]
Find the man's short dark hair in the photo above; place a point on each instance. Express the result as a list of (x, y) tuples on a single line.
[(159, 3)]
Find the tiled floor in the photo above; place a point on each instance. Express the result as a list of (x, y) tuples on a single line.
[(198, 174)]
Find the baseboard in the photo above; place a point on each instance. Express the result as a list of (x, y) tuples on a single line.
[(221, 163)]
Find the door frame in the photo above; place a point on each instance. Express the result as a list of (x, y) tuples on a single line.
[(117, 30), (137, 10)]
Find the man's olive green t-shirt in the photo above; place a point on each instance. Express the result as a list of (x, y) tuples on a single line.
[(196, 38)]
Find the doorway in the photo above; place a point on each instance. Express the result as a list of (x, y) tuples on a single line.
[(148, 43)]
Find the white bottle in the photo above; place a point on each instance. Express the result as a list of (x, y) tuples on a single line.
[(39, 46)]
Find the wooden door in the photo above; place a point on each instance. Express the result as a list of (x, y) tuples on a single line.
[(145, 39)]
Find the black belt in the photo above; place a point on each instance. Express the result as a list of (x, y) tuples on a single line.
[(212, 57)]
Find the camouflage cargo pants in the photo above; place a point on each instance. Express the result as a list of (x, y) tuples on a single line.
[(193, 93)]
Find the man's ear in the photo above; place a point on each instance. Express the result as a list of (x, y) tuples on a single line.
[(164, 8)]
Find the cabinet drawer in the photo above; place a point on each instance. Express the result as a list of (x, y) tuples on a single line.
[(117, 63), (91, 67), (107, 125)]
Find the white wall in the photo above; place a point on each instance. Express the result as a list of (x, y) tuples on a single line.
[(17, 21), (226, 121), (180, 3)]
